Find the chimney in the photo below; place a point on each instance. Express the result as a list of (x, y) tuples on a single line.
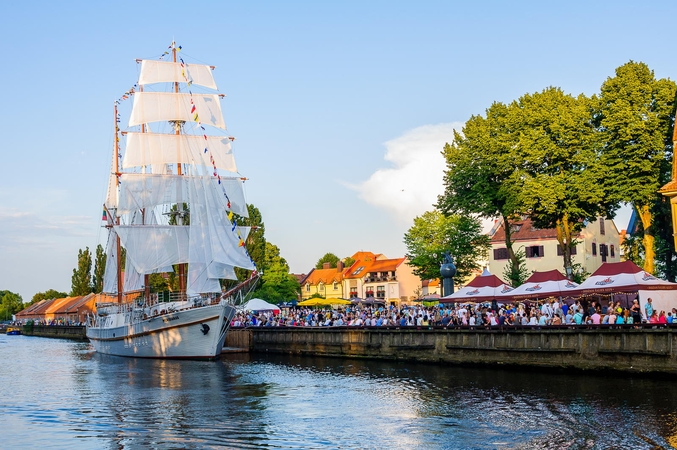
[(326, 265), (339, 266)]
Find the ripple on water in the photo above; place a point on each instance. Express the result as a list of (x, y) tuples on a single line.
[(59, 394)]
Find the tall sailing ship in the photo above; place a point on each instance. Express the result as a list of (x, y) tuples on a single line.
[(173, 197)]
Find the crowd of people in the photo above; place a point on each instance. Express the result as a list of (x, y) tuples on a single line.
[(548, 313)]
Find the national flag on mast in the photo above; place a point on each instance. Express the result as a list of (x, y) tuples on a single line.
[(105, 216)]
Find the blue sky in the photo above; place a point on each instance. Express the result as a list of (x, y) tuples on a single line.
[(340, 109)]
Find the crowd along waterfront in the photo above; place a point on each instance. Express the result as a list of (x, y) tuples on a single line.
[(61, 394)]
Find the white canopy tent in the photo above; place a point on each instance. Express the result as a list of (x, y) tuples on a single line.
[(627, 277), (256, 304), (542, 285)]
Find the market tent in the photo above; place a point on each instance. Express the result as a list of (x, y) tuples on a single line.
[(483, 288), (539, 285), (256, 304), (626, 276)]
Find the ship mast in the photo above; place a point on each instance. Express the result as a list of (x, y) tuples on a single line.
[(118, 248), (179, 204)]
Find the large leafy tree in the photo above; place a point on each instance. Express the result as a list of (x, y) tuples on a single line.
[(636, 119), (433, 234), (256, 240), (330, 258), (81, 279), (99, 269), (10, 303), (277, 284), (48, 294), (559, 174), (478, 179)]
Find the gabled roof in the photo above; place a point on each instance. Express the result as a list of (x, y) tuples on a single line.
[(361, 268), (526, 232), (324, 276), (430, 283)]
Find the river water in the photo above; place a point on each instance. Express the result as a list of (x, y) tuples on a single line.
[(61, 394)]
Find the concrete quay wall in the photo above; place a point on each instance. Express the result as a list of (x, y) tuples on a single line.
[(624, 350), (56, 331)]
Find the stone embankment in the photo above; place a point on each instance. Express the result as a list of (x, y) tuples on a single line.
[(624, 350), (647, 350)]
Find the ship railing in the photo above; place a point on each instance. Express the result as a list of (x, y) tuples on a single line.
[(238, 294)]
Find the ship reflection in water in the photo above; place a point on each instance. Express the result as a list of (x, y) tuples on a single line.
[(60, 394)]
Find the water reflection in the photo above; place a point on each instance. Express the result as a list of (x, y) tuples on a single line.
[(60, 394)]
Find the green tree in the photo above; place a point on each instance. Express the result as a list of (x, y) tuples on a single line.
[(158, 282), (277, 284), (256, 241), (559, 174), (81, 280), (10, 303), (478, 178), (330, 258), (636, 119), (48, 294), (99, 269), (516, 272), (433, 233), (348, 261)]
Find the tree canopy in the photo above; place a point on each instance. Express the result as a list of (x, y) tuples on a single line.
[(433, 233), (330, 258), (81, 280), (635, 118), (563, 160), (10, 303), (277, 284), (99, 269), (47, 295)]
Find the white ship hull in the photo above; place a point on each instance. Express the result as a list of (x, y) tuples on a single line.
[(191, 333)]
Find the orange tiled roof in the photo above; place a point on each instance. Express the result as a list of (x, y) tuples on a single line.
[(670, 186), (430, 283), (371, 265), (325, 276)]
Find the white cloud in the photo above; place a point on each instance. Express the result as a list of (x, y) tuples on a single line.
[(411, 186)]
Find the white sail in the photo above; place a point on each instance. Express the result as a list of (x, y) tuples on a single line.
[(151, 107), (139, 191), (173, 72), (145, 149), (110, 275), (112, 193), (212, 238), (223, 271), (133, 280), (152, 247), (199, 281)]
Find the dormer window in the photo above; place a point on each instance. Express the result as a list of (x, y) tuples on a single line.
[(359, 270)]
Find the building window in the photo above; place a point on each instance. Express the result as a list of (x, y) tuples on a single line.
[(500, 253), (601, 226), (359, 269), (307, 287), (380, 292), (603, 251), (335, 286), (320, 287), (534, 251), (559, 251), (353, 292), (594, 249), (612, 251)]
